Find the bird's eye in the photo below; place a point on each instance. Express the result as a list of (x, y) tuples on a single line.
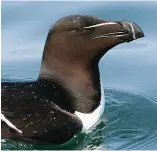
[(80, 30)]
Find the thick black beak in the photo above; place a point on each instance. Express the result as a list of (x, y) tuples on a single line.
[(124, 31), (132, 31)]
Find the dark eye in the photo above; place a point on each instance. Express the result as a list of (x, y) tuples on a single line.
[(80, 30)]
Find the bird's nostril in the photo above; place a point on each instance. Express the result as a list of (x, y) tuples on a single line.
[(123, 27)]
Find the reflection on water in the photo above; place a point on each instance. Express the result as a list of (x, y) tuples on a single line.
[(129, 122)]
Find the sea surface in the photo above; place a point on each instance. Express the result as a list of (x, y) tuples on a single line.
[(128, 71)]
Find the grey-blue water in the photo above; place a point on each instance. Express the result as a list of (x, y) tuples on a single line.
[(128, 71)]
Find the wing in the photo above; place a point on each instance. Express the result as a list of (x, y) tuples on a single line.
[(39, 119)]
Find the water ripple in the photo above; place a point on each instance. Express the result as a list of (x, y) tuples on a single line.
[(129, 122)]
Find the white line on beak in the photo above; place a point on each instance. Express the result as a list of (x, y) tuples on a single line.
[(101, 24), (133, 31)]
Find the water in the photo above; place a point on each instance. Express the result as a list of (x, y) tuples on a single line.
[(128, 71), (129, 120)]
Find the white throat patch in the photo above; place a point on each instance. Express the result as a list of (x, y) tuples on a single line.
[(90, 119)]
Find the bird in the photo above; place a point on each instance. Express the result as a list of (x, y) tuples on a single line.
[(67, 97)]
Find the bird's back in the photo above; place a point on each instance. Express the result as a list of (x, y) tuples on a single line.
[(38, 118)]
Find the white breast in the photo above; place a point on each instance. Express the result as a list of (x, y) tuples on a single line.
[(91, 119)]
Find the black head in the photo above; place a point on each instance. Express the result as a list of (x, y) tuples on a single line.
[(74, 47), (87, 38)]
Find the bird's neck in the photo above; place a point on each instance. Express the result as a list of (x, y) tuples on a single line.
[(81, 84)]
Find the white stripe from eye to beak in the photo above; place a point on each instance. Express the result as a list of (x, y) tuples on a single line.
[(3, 118), (133, 31), (101, 24)]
